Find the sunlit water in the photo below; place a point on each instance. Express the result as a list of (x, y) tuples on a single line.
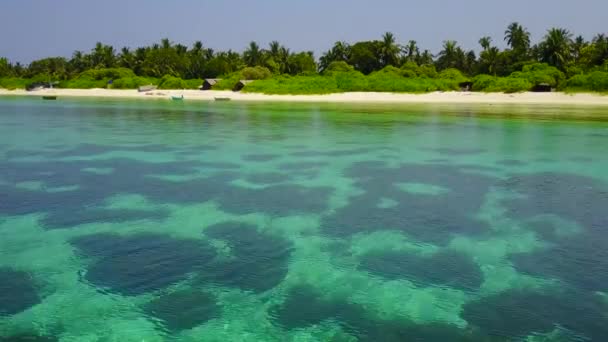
[(154, 221)]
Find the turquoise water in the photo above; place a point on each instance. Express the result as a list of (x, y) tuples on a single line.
[(159, 221)]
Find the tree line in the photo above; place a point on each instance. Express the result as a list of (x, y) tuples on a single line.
[(559, 48)]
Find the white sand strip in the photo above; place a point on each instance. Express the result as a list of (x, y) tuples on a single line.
[(554, 98)]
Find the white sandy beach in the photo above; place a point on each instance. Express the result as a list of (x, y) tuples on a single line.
[(554, 98)]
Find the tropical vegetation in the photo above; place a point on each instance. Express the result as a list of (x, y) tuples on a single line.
[(560, 61)]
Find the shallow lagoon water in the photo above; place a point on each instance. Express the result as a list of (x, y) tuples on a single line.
[(160, 221)]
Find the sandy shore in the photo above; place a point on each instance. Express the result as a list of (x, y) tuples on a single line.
[(437, 97)]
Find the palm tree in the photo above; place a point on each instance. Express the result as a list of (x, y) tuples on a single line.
[(109, 56), (600, 49), (389, 49), (517, 37), (341, 51), (126, 58), (79, 62), (577, 47), (198, 60), (274, 48), (488, 60), (556, 47), (485, 42), (181, 49), (279, 55), (234, 60), (448, 57), (253, 55), (97, 55), (426, 57), (412, 51), (165, 43)]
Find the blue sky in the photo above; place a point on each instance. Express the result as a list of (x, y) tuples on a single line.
[(31, 29)]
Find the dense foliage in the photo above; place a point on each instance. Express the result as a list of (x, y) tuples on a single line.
[(559, 60)]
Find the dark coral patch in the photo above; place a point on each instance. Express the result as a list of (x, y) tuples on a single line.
[(452, 151), (27, 338), (435, 217), (570, 196), (448, 268), (580, 259), (184, 309), (335, 153), (302, 165), (17, 292), (267, 178), (277, 199), (132, 265), (137, 177), (305, 306), (87, 150), (61, 219), (517, 313), (259, 260), (511, 162), (259, 157), (581, 159)]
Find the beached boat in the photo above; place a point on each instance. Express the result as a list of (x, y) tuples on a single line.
[(177, 98), (146, 88), (222, 99), (49, 97)]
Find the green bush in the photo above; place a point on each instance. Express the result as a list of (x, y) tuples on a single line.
[(383, 82), (99, 78), (351, 81), (172, 82), (537, 73), (340, 66), (133, 82), (409, 73), (83, 83), (109, 73), (228, 82), (598, 81), (483, 82), (452, 74), (427, 70), (578, 82), (593, 81), (255, 73), (510, 85), (390, 70), (12, 83), (411, 66), (294, 85)]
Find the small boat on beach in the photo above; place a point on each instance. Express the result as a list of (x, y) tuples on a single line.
[(177, 98), (146, 88), (222, 99), (49, 97)]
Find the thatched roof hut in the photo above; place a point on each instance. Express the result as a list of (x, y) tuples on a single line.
[(209, 83), (241, 84)]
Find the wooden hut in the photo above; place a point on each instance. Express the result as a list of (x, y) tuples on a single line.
[(209, 83), (542, 88), (241, 84)]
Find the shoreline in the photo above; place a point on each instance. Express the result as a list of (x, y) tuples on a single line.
[(528, 98)]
